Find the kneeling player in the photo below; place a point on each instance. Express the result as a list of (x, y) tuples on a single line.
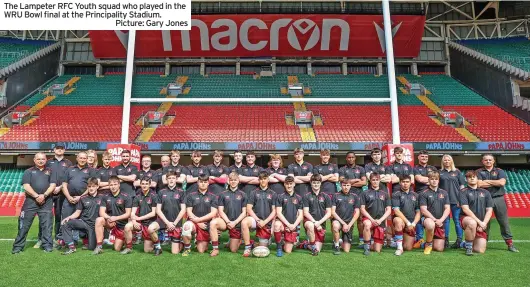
[(170, 209), (435, 207), (477, 206), (84, 218), (232, 206), (406, 215), (114, 212), (317, 209), (289, 213), (201, 207), (261, 211), (142, 215), (375, 208), (345, 211)]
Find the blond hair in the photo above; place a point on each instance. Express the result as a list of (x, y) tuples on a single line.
[(91, 151), (276, 157), (453, 168)]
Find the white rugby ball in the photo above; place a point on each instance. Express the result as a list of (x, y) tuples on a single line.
[(261, 251)]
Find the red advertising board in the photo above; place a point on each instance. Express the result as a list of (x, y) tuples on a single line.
[(310, 35), (116, 149)]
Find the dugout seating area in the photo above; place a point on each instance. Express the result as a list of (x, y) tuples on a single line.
[(514, 51), (14, 50)]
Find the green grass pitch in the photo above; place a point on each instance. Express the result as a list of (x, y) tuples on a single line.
[(497, 267)]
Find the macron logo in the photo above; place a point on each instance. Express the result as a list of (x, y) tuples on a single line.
[(381, 34)]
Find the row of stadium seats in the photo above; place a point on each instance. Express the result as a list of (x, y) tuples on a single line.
[(514, 51), (12, 50)]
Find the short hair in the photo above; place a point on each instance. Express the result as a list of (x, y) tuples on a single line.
[(352, 152), (92, 181), (146, 156), (114, 178), (174, 151), (325, 152), (238, 151), (374, 175), (251, 152), (263, 174), (275, 157), (423, 152), (289, 179), (233, 175), (298, 149), (218, 152), (488, 154), (375, 150), (172, 173), (471, 173), (106, 155), (203, 177), (316, 177), (125, 151), (146, 178), (398, 149), (196, 153), (404, 177), (434, 174), (343, 180)]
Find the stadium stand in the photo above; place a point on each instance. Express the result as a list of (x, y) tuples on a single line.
[(514, 51), (13, 50)]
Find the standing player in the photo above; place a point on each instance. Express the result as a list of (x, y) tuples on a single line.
[(405, 203), (494, 179), (195, 170), (173, 166), (39, 184), (238, 163), (301, 171), (435, 208), (378, 167), (232, 207), (398, 168), (250, 173), (329, 173), (261, 210), (104, 173), (218, 173), (289, 211), (277, 174), (421, 183), (170, 209), (375, 209), (452, 181), (477, 208), (201, 207), (146, 171), (142, 215), (83, 219), (345, 212), (126, 172), (114, 213), (317, 209)]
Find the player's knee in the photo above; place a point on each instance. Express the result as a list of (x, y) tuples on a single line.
[(246, 223), (277, 226), (367, 226), (100, 221), (472, 224), (336, 226)]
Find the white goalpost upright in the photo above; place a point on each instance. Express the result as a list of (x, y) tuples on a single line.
[(127, 100)]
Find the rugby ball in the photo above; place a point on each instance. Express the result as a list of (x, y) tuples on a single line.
[(261, 251)]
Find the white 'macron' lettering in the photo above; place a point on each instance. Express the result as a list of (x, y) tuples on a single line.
[(275, 32), (327, 24), (205, 37), (243, 34), (231, 33)]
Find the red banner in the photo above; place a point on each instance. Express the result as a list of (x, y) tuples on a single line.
[(116, 149), (270, 35)]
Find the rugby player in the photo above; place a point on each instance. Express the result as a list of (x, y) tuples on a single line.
[(289, 214), (421, 182), (218, 173), (329, 173), (301, 171), (195, 170), (126, 172), (375, 209), (172, 165), (104, 173), (277, 174), (146, 171), (317, 209), (249, 175), (405, 204), (345, 212)]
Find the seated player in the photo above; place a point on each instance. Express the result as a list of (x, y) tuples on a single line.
[(317, 209), (345, 212), (289, 214), (142, 215), (232, 207), (375, 209), (435, 208), (201, 208), (114, 213), (477, 207), (171, 208), (405, 204), (84, 218), (261, 210)]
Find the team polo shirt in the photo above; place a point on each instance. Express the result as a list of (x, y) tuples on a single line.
[(435, 201), (399, 169), (77, 177), (145, 204), (423, 171), (407, 202), (317, 204), (116, 205), (89, 206), (104, 173), (345, 205), (201, 203), (375, 202), (353, 172), (39, 180), (171, 201), (179, 169), (152, 174), (126, 186), (263, 202), (60, 167), (301, 170), (477, 199), (290, 204), (217, 171), (451, 181), (233, 203), (195, 171), (252, 171), (326, 169), (378, 168), (237, 169), (277, 186), (494, 174)]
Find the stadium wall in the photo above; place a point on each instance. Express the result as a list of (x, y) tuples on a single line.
[(487, 81)]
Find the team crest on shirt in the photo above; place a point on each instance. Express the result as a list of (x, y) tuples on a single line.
[(295, 201), (269, 196), (87, 203), (429, 169), (330, 167), (405, 168), (207, 199), (304, 167), (149, 174), (357, 171), (320, 199), (481, 194), (239, 197), (177, 170), (63, 164), (47, 172), (220, 169), (119, 201), (441, 196), (98, 201), (129, 169), (453, 174), (413, 198), (493, 173), (280, 171), (350, 201), (381, 197), (148, 200), (255, 169), (382, 169), (175, 196)]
